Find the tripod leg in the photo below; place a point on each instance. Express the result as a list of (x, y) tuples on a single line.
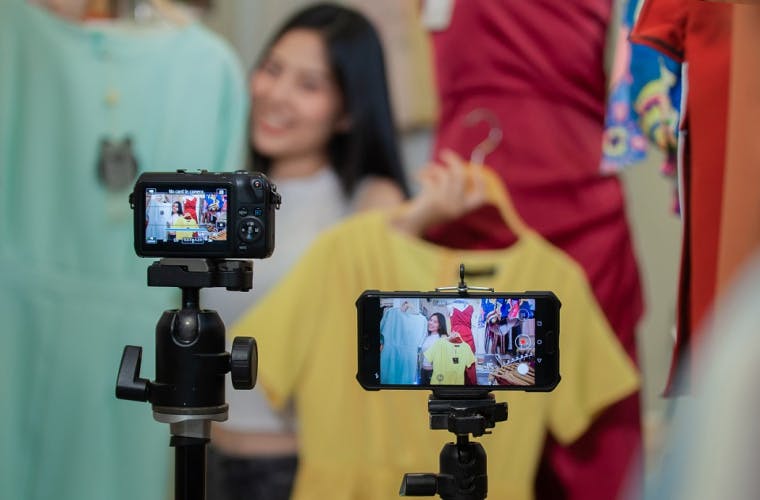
[(189, 467)]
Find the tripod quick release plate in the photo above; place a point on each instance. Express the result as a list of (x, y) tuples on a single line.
[(234, 275), (466, 416)]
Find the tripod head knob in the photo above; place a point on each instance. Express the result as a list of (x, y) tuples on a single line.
[(244, 362), (418, 485), (129, 385)]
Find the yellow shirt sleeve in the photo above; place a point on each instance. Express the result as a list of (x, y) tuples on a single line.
[(469, 357), (596, 372), (431, 352), (283, 323)]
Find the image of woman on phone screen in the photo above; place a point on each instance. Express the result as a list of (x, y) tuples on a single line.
[(436, 330)]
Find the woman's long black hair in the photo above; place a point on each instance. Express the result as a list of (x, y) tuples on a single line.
[(356, 59), (442, 332)]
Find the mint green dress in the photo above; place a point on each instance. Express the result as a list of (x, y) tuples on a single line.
[(72, 291)]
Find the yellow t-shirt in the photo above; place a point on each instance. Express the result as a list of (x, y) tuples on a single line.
[(356, 445), (449, 362), (182, 222)]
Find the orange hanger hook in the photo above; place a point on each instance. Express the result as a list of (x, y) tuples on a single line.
[(487, 145)]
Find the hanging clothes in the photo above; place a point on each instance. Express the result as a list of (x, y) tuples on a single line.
[(461, 322), (538, 66), (73, 293), (739, 241), (624, 143), (398, 359), (643, 101), (450, 361), (386, 434), (699, 34)]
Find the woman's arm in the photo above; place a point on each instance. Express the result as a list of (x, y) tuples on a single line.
[(377, 192)]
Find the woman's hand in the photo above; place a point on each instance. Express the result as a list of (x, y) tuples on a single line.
[(455, 337), (449, 190), (452, 188)]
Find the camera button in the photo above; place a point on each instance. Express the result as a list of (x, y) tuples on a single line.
[(258, 212), (250, 230), (258, 189), (242, 212)]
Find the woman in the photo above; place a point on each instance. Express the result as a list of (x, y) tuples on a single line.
[(321, 128), (176, 214), (436, 329)]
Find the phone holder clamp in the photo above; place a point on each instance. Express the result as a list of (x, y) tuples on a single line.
[(462, 287)]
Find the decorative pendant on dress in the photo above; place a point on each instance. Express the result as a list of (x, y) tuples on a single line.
[(117, 164)]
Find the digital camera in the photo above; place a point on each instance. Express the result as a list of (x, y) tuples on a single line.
[(204, 214)]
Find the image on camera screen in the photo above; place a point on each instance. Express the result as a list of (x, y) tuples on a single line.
[(185, 216), (458, 341)]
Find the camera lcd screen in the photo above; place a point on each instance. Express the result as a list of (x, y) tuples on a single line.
[(506, 341), (186, 217)]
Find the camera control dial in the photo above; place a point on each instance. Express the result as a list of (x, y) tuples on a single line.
[(250, 229)]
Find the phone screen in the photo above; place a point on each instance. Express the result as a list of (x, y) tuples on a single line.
[(499, 341)]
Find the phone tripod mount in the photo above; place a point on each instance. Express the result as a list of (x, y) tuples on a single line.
[(463, 465), (191, 363)]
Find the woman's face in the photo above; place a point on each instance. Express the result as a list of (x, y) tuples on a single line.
[(175, 207), (295, 102), (433, 324)]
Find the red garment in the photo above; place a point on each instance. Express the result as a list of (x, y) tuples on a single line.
[(461, 321), (698, 33), (538, 67), (514, 309), (189, 208)]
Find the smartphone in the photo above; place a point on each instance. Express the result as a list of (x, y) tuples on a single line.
[(436, 340)]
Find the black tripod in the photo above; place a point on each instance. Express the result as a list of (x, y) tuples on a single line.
[(463, 471), (191, 364)]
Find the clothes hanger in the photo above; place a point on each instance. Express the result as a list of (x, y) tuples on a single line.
[(487, 145), (495, 191), (410, 218)]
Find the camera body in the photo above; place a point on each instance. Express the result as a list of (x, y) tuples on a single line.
[(204, 214)]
